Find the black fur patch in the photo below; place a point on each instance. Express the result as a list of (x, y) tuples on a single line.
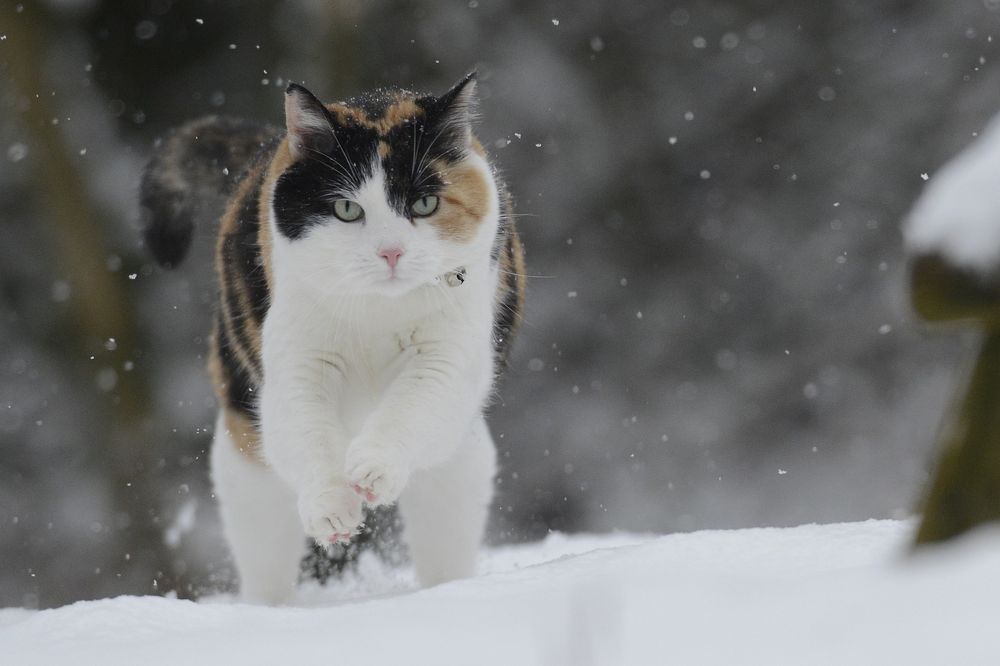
[(169, 223), (234, 315), (408, 171), (376, 102), (305, 192), (242, 251), (505, 316), (239, 388), (502, 240), (189, 177)]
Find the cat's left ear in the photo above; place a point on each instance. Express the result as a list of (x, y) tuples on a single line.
[(308, 122), (456, 109)]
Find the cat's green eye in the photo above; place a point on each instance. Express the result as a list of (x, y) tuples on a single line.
[(347, 210), (424, 206)]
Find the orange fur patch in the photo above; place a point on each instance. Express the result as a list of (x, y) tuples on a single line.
[(279, 163), (397, 114), (512, 274), (244, 434), (242, 431), (237, 329), (465, 201), (215, 369), (477, 147)]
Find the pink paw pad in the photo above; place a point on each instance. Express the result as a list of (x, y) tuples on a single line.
[(368, 495)]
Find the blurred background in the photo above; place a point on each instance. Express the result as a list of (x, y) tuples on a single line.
[(717, 333)]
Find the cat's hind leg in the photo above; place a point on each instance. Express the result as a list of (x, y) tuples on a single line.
[(444, 509), (259, 515)]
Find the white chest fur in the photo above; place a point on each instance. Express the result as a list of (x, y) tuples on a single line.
[(384, 396), (345, 365)]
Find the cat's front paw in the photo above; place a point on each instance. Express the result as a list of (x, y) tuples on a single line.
[(377, 472), (330, 514)]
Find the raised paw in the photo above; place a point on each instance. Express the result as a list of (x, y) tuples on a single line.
[(330, 514), (376, 472)]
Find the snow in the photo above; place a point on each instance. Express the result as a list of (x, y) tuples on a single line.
[(182, 524), (958, 213), (816, 594)]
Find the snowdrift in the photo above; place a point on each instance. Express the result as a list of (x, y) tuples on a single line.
[(816, 594)]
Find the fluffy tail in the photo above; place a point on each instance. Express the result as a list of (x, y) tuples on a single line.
[(189, 178)]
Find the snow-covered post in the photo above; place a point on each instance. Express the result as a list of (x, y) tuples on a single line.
[(953, 238)]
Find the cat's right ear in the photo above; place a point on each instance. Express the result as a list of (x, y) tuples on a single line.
[(308, 122)]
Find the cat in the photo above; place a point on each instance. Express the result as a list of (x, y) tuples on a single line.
[(370, 280)]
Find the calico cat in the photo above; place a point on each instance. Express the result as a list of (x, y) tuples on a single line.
[(370, 279)]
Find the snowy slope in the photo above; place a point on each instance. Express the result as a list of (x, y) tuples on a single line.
[(831, 594)]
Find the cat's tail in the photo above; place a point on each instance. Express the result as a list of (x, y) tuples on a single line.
[(191, 174)]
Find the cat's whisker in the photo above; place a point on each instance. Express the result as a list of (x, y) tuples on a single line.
[(423, 158), (413, 157), (516, 313), (525, 275), (330, 163), (347, 159)]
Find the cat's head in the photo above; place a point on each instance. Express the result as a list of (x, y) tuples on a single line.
[(382, 193)]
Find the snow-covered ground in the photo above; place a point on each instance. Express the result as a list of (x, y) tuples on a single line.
[(816, 594)]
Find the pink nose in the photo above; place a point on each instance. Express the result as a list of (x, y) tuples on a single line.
[(391, 255)]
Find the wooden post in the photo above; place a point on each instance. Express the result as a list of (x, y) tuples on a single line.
[(965, 491)]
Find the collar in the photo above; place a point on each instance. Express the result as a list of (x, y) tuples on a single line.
[(454, 278)]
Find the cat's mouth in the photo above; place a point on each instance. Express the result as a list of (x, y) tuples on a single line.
[(398, 276), (393, 283), (394, 277), (396, 282)]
